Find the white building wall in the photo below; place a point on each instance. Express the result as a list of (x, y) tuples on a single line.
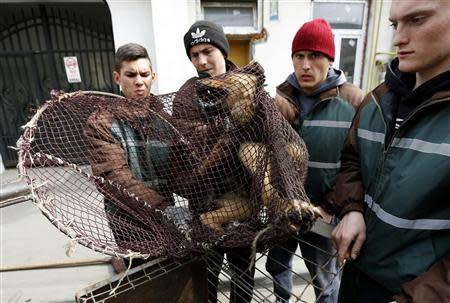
[(171, 19), (275, 53), (132, 22), (160, 26)]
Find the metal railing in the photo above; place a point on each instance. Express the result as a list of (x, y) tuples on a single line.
[(14, 192)]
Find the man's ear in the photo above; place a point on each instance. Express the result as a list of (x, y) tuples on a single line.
[(116, 77)]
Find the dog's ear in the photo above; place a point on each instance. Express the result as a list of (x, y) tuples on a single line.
[(254, 68), (223, 81)]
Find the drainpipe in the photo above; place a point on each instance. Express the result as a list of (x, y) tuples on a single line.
[(2, 167), (374, 44)]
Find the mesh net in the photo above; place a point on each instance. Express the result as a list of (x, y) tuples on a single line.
[(213, 164)]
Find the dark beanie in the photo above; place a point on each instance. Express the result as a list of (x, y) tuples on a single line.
[(206, 32), (315, 35)]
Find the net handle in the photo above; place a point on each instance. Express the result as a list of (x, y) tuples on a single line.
[(99, 93)]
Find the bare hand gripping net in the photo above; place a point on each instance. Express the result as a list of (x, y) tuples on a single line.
[(213, 164)]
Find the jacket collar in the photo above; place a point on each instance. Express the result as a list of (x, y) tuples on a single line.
[(286, 90), (402, 84)]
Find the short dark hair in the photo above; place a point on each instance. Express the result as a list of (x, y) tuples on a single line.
[(130, 52)]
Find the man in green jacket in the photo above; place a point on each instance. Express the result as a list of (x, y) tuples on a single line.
[(319, 104), (393, 189)]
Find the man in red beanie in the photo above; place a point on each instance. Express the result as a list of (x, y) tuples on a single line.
[(320, 105)]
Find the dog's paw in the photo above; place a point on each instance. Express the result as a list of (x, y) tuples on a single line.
[(300, 214), (211, 221)]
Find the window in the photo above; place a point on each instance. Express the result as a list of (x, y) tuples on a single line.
[(235, 17), (230, 16), (342, 15), (348, 19), (347, 57)]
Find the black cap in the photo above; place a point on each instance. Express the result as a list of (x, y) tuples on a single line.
[(206, 32)]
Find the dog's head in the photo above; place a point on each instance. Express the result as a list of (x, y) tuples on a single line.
[(238, 90)]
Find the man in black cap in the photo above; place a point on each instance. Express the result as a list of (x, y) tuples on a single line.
[(207, 48)]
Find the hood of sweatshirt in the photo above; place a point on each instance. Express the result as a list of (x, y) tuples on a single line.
[(306, 102)]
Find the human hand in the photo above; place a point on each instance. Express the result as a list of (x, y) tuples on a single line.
[(349, 236)]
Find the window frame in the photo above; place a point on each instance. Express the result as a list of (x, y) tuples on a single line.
[(237, 30)]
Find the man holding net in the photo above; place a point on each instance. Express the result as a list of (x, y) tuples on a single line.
[(319, 104), (393, 188), (121, 151), (207, 48)]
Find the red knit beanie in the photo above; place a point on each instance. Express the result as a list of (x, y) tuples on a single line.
[(315, 35)]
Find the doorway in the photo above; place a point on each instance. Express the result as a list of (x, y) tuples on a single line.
[(34, 40)]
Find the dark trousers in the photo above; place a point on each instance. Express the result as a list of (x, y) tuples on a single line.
[(317, 252), (242, 282), (357, 287), (118, 233)]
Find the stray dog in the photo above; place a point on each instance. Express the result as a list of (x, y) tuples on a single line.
[(240, 91)]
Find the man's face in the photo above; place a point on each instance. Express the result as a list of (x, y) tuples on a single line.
[(422, 36), (208, 58), (135, 78), (311, 69)]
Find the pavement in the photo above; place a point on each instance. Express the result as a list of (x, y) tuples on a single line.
[(28, 239), (8, 175)]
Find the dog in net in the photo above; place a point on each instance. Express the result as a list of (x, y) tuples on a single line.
[(145, 178)]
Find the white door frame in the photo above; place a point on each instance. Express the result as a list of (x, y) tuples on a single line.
[(338, 36)]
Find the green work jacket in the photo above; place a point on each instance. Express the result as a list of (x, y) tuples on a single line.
[(324, 130), (407, 188)]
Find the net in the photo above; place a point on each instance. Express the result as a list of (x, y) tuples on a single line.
[(213, 164)]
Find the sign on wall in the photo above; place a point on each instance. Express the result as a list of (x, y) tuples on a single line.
[(72, 69)]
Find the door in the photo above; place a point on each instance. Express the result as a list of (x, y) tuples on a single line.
[(239, 52)]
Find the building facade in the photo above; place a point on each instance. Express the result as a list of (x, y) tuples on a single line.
[(70, 45)]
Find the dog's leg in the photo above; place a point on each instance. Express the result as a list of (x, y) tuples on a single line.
[(231, 207), (251, 154), (300, 212), (299, 155), (216, 157)]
